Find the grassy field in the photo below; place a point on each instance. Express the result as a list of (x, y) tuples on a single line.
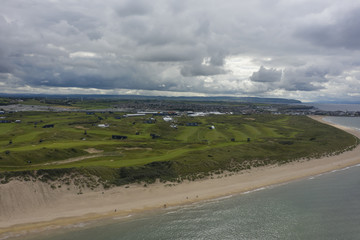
[(78, 143)]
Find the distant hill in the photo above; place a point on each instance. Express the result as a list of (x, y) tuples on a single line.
[(141, 97)]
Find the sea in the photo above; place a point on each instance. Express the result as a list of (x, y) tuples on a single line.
[(326, 206)]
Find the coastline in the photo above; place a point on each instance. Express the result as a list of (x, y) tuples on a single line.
[(61, 207)]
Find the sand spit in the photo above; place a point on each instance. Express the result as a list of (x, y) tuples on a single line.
[(26, 206)]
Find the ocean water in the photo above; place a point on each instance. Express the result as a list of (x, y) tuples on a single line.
[(326, 206), (353, 122), (335, 107)]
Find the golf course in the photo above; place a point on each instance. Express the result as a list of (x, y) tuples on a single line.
[(118, 148)]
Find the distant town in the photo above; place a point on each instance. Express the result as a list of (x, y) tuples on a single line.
[(166, 107)]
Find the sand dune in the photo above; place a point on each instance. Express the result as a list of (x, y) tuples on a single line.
[(25, 206)]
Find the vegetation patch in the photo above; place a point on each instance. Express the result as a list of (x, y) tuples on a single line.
[(214, 144), (93, 150)]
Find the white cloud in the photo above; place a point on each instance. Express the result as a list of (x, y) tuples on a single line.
[(250, 48), (83, 55)]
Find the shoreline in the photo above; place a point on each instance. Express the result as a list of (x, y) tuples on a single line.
[(60, 207)]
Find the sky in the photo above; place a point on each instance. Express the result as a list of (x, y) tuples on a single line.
[(299, 49)]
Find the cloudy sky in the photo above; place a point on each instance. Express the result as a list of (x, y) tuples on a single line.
[(302, 49)]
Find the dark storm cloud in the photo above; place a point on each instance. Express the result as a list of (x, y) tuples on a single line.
[(134, 8), (304, 79), (343, 32), (167, 56), (181, 46), (266, 75), (201, 70), (4, 69), (299, 80)]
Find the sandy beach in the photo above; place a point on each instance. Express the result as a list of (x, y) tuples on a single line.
[(25, 206)]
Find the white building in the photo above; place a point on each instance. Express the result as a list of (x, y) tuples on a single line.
[(167, 119)]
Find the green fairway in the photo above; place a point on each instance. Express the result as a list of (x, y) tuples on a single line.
[(196, 145)]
